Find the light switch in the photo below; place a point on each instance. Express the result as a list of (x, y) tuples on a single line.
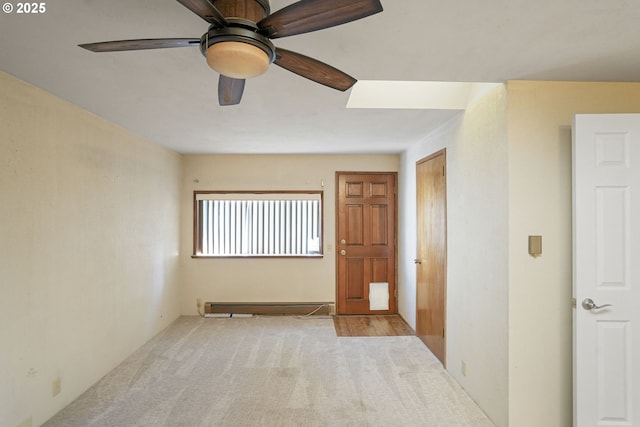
[(535, 246)]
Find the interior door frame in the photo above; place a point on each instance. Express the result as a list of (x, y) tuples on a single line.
[(393, 295)]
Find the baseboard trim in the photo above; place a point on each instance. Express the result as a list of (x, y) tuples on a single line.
[(271, 308)]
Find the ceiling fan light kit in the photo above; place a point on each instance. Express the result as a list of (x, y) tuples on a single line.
[(237, 44), (237, 59), (237, 51)]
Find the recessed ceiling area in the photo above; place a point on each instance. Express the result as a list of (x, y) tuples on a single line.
[(169, 96)]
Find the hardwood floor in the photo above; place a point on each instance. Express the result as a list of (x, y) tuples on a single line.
[(371, 326)]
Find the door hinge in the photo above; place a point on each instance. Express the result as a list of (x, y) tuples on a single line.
[(573, 302), (443, 171), (395, 292), (442, 332)]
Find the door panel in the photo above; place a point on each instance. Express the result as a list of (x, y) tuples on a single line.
[(354, 224), (606, 185), (431, 253), (379, 232), (355, 278), (365, 232), (379, 270)]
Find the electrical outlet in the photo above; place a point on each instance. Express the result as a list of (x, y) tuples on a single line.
[(56, 387), (463, 368)]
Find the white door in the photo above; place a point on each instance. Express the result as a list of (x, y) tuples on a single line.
[(606, 246)]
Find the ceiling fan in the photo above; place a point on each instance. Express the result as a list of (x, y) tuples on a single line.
[(237, 44)]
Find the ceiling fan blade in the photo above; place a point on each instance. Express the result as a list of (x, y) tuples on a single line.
[(312, 15), (230, 90), (205, 10), (313, 69), (139, 44)]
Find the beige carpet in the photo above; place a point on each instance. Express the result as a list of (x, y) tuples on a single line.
[(273, 371)]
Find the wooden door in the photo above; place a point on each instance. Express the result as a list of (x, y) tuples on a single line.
[(431, 253), (366, 239), (606, 273)]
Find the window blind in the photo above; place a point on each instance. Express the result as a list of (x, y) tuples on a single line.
[(263, 226)]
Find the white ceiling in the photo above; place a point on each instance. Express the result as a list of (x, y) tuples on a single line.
[(170, 96)]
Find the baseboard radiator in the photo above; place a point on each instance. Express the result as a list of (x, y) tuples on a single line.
[(270, 308)]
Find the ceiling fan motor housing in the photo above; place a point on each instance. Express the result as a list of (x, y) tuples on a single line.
[(252, 10)]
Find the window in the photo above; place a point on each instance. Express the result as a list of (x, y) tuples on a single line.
[(257, 224)]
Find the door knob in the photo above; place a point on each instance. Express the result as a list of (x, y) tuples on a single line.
[(588, 305), (417, 261), (343, 252)]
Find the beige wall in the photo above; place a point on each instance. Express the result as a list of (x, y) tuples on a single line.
[(502, 189), (265, 280), (89, 229), (477, 257), (540, 333)]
